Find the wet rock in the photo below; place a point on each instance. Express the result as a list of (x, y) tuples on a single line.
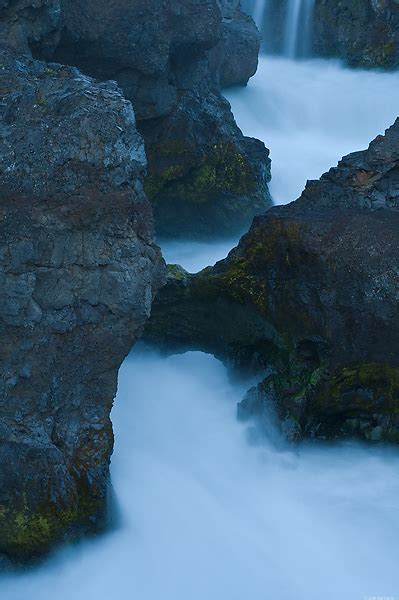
[(26, 23), (171, 60), (78, 271), (310, 298), (364, 33)]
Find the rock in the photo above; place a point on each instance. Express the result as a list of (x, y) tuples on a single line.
[(239, 46), (171, 60), (78, 271), (364, 33), (27, 23), (310, 298)]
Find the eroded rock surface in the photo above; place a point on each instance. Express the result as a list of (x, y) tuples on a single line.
[(365, 32), (310, 297), (26, 23), (78, 271), (171, 60)]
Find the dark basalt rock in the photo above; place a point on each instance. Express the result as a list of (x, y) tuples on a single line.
[(364, 32), (309, 297), (239, 46), (171, 60), (78, 271), (26, 23)]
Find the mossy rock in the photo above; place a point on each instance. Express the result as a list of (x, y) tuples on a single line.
[(223, 170), (28, 534)]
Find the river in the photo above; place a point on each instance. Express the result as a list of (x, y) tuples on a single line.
[(207, 510)]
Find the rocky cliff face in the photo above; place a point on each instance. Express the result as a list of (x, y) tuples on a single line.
[(171, 59), (78, 271), (309, 297), (365, 32)]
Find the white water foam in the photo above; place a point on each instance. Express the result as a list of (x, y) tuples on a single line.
[(205, 515), (312, 113)]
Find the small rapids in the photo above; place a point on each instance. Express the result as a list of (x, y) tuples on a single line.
[(310, 114), (206, 512)]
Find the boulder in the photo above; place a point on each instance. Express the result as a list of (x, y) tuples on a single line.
[(78, 272)]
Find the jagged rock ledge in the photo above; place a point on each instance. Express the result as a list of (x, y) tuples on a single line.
[(309, 297)]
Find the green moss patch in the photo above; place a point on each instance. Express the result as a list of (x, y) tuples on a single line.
[(223, 171)]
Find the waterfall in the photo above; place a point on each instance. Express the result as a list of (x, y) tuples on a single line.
[(259, 13), (292, 27), (308, 37), (286, 25)]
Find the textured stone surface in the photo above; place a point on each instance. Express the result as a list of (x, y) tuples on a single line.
[(78, 270), (310, 297), (29, 22), (171, 59), (365, 32)]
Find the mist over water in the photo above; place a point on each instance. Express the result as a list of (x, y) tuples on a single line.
[(310, 114), (205, 512), (207, 515), (195, 255)]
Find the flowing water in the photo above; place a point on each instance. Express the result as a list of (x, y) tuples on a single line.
[(205, 512), (310, 114), (296, 23), (207, 515), (259, 11), (292, 27)]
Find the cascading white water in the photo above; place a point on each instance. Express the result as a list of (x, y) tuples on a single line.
[(310, 114), (292, 26), (205, 515), (259, 12), (297, 25), (307, 38)]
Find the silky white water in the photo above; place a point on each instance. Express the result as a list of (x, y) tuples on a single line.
[(297, 25), (258, 12), (291, 33), (205, 513), (310, 114)]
